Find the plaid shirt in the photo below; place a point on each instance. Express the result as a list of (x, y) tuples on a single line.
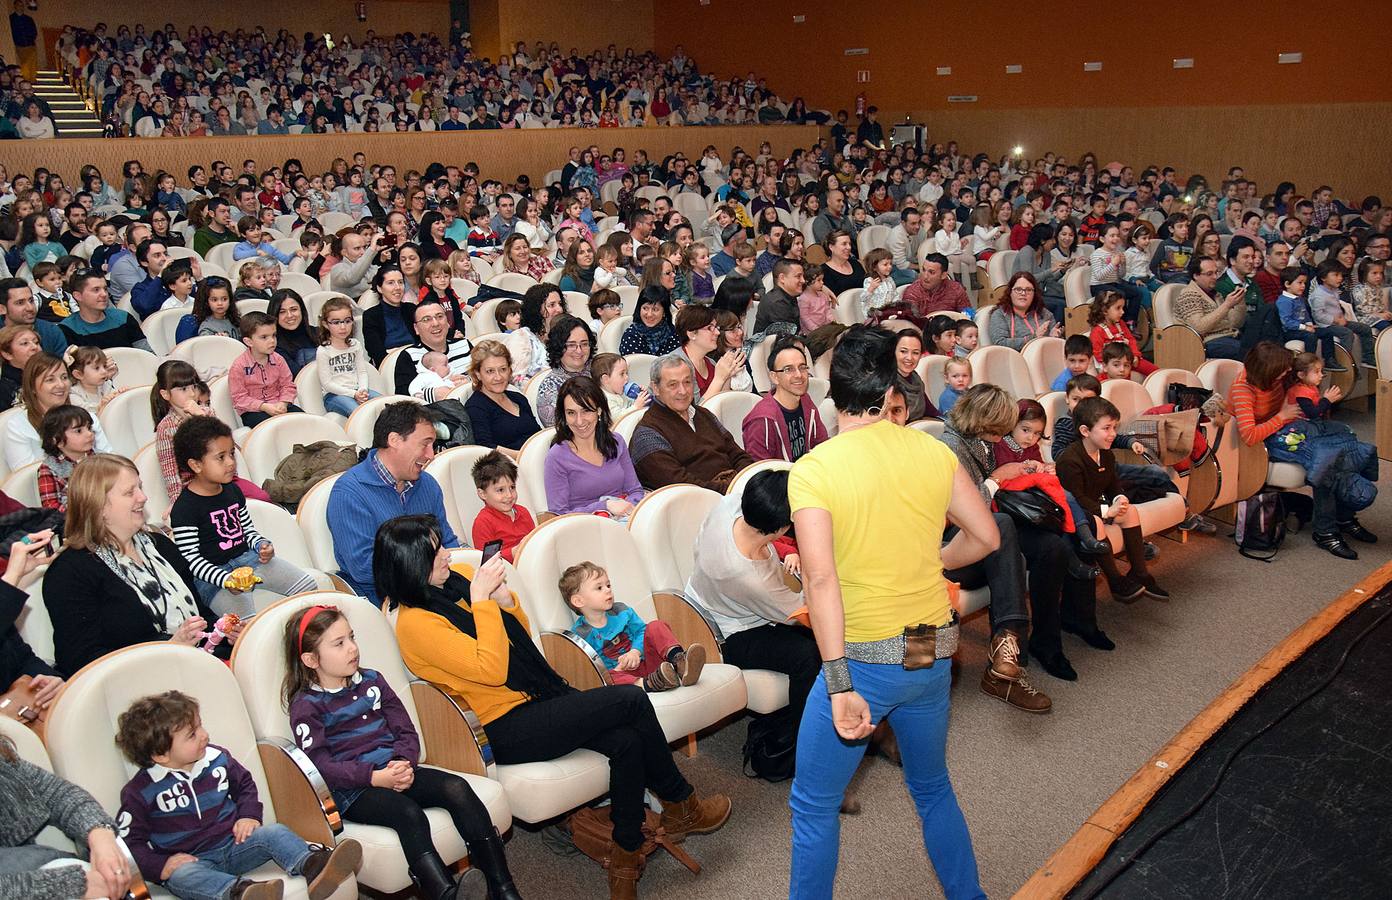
[(53, 491)]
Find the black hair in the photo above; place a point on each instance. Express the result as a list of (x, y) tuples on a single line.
[(193, 436), (784, 342), (588, 395), (403, 553), (491, 467), (862, 368), (56, 422), (532, 303), (1239, 243), (559, 334), (765, 505), (1077, 344), (1091, 410), (400, 418)]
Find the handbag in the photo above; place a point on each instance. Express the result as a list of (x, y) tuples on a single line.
[(1184, 398), (1167, 437), (1031, 507)]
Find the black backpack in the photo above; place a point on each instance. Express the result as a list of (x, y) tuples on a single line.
[(770, 749), (1261, 525), (452, 425)]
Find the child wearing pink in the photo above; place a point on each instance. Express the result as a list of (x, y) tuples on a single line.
[(1119, 332)]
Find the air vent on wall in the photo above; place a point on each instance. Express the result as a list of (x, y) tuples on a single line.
[(1286, 59), (944, 70), (962, 98), (1092, 67), (1014, 70), (1184, 62), (856, 51)]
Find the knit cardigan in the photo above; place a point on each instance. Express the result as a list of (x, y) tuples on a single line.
[(31, 798), (666, 450)]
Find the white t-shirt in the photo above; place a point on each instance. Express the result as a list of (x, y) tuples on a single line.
[(739, 593)]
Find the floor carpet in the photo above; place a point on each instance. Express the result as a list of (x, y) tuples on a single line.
[(1024, 782)]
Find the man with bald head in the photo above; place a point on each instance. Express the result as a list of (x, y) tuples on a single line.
[(832, 217)]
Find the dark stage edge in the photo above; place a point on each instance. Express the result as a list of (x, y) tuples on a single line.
[(1305, 811)]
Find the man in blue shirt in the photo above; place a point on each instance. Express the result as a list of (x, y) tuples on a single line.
[(391, 481), (17, 304)]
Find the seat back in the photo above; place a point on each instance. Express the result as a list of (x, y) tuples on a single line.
[(128, 422), (453, 469), (736, 485), (135, 367), (159, 328), (22, 485), (849, 309), (639, 368), (298, 282), (627, 423), (33, 622), (664, 526), (1157, 383), (513, 281), (272, 440), (730, 408), (1219, 375), (1005, 367), (612, 333), (314, 303), (1075, 286), (484, 323), (211, 354), (531, 471), (82, 721), (387, 367), (999, 266), (312, 516), (277, 525), (1162, 304), (1383, 353), (364, 418), (565, 540), (872, 236), (532, 389), (309, 393), (1130, 398), (1044, 358), (1055, 405), (983, 325)]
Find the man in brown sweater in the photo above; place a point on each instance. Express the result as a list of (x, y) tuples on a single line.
[(678, 442)]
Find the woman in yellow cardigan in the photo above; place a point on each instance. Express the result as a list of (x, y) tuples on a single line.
[(473, 641)]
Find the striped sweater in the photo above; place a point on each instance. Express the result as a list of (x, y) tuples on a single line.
[(351, 732), (1256, 411), (210, 531), (168, 811)]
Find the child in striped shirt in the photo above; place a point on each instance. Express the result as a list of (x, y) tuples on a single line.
[(354, 728), (192, 818), (213, 528)]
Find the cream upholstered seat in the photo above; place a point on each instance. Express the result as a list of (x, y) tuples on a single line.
[(730, 407), (512, 281), (982, 318), (1157, 383), (33, 622), (1177, 345), (531, 471), (1044, 359), (1076, 297), (312, 516), (81, 731), (364, 418), (298, 282), (22, 485), (453, 469), (272, 440), (998, 267), (665, 526), (849, 307), (1131, 400), (211, 354), (135, 367), (612, 333), (1004, 367), (485, 324), (566, 540), (640, 367), (159, 328), (127, 421), (220, 399), (258, 662), (626, 424), (736, 485)]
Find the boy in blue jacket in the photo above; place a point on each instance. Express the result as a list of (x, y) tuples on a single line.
[(635, 652), (192, 819)]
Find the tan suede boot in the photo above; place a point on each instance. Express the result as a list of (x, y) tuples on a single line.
[(695, 815), (625, 867)]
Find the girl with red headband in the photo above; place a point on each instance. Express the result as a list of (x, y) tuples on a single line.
[(356, 731)]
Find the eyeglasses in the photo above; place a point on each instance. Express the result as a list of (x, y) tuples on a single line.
[(577, 345), (789, 370), (339, 321), (1022, 289)]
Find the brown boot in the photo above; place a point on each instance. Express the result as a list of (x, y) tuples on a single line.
[(695, 816), (327, 868), (1005, 655), (246, 889), (1019, 693), (689, 663), (625, 867), (663, 678)]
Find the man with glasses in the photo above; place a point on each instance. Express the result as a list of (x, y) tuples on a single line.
[(433, 334), (785, 424), (1217, 319)]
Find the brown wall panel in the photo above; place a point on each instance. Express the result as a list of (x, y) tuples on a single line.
[(500, 154), (623, 23)]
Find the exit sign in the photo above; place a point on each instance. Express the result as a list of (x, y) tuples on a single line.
[(862, 75)]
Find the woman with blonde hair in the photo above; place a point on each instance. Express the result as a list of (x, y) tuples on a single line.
[(501, 417), (116, 584)]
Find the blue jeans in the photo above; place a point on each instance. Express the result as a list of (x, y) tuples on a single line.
[(1224, 348), (343, 404), (917, 706), (216, 871), (903, 276), (278, 575)]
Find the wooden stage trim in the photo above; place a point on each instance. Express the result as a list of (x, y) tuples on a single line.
[(1072, 862)]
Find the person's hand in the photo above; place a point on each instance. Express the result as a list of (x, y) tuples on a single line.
[(177, 861), (26, 555), (457, 380), (109, 864), (196, 268), (189, 631), (642, 399), (1120, 505), (242, 829), (384, 778), (266, 552), (1289, 412), (1341, 320), (629, 661), (45, 688), (1058, 266), (1333, 393), (487, 579), (1235, 297), (1308, 326), (851, 716), (1050, 469), (1008, 471), (1057, 330), (361, 396), (725, 366), (792, 564), (1138, 448), (618, 507)]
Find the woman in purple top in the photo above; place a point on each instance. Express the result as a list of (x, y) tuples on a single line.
[(588, 469)]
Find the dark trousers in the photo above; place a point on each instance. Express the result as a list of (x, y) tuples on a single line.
[(790, 649), (404, 811), (252, 419), (1224, 348), (1311, 340), (617, 721)]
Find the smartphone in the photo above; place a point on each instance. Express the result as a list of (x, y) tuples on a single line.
[(490, 550)]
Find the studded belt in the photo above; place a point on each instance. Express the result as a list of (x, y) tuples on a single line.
[(890, 651)]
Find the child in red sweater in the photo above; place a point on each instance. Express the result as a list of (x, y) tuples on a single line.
[(502, 517), (1105, 317), (260, 378)]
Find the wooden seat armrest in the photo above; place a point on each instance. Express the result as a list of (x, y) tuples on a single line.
[(453, 735), (574, 660), (301, 797), (689, 622)]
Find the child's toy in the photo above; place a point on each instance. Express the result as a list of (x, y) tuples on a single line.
[(243, 578), (222, 628)]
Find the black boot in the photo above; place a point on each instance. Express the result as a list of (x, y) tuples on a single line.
[(433, 877), (488, 857)]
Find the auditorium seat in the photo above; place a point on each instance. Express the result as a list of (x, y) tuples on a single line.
[(135, 367), (453, 470), (531, 471), (211, 354), (22, 485), (127, 421), (273, 440), (610, 335), (364, 418), (731, 407), (1045, 360)]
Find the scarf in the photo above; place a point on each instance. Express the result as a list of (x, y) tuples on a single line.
[(157, 583), (528, 671), (659, 336)]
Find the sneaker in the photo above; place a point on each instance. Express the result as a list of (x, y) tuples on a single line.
[(1198, 525), (689, 663), (1126, 589), (1354, 529), (1151, 551), (1334, 543), (664, 678), (326, 868), (246, 889), (1019, 693)]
